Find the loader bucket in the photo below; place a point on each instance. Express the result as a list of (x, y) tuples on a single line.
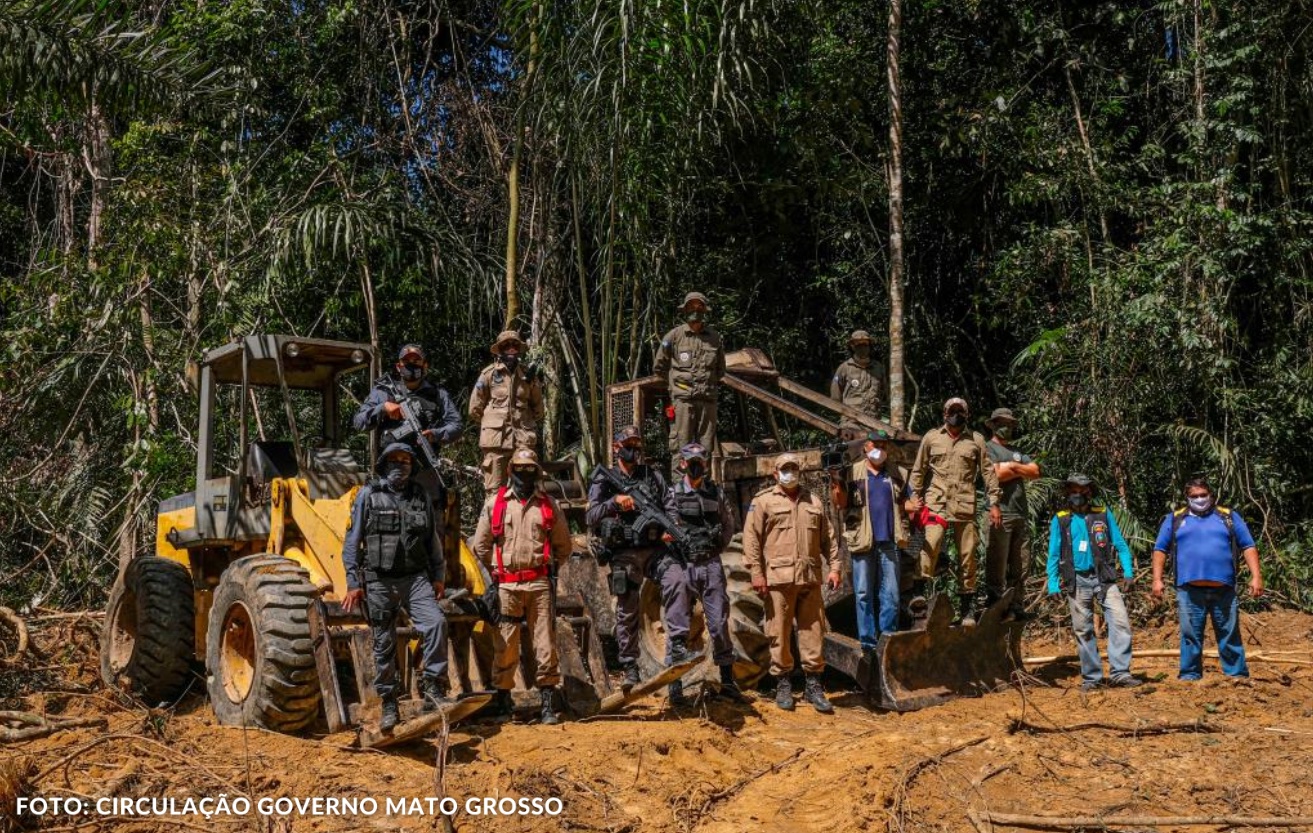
[(917, 668)]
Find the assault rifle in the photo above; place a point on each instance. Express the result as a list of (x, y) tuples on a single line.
[(411, 422), (650, 515)]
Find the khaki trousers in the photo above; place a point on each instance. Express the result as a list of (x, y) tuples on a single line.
[(494, 464), (526, 606), (966, 536), (694, 420), (786, 603)]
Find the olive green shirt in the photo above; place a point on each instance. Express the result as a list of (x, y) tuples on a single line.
[(1013, 503), (857, 387), (945, 473), (693, 363)]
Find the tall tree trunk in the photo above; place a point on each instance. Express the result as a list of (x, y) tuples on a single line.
[(367, 289), (513, 177), (897, 403), (96, 156)]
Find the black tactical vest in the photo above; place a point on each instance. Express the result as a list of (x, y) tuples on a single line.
[(699, 514), (617, 533), (398, 528)]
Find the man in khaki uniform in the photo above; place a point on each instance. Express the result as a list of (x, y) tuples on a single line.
[(522, 535), (787, 541), (856, 383), (692, 359), (508, 405), (948, 462)]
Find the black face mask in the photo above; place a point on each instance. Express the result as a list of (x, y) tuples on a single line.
[(629, 454), (1003, 432), (957, 420), (411, 372), (695, 469), (510, 362), (1078, 500), (396, 474), (523, 483)]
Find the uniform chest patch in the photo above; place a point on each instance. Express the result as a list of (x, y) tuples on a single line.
[(685, 356), (1016, 456), (852, 383)]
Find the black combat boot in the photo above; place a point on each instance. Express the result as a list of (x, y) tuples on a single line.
[(815, 694), (502, 707), (549, 713), (677, 698), (968, 602), (433, 694), (679, 652), (729, 689), (784, 692), (390, 717), (631, 676)]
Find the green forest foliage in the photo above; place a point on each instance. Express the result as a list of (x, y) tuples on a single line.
[(1108, 224)]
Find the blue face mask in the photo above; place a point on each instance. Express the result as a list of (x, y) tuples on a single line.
[(1200, 505)]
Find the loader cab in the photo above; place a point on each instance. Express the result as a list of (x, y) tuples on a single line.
[(272, 407)]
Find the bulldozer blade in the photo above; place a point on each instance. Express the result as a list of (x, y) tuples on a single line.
[(919, 668), (614, 702), (372, 738)]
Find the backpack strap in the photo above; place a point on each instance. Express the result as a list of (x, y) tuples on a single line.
[(1225, 513)]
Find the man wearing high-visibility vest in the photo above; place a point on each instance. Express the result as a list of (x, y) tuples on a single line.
[(522, 535)]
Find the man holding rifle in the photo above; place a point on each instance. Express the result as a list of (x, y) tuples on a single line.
[(432, 418), (626, 522)]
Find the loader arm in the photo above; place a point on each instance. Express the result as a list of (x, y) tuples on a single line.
[(320, 531)]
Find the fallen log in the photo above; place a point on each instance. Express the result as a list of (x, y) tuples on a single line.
[(1151, 653), (1104, 822)]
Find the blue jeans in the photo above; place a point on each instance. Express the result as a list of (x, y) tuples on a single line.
[(1081, 604), (1193, 605), (875, 577)]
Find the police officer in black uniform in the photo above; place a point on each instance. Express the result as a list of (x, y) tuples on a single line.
[(434, 410), (393, 559), (698, 506), (611, 516)]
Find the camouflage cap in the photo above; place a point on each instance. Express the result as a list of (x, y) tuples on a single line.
[(956, 402), (412, 349), (859, 337), (506, 338), (629, 432), (788, 459), (525, 457), (695, 296), (693, 451), (879, 435)]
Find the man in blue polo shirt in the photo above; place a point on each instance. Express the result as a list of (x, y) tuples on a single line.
[(1089, 561), (1206, 542)]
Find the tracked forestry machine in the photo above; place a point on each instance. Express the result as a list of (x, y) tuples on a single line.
[(911, 669)]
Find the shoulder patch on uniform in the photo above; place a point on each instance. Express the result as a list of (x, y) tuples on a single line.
[(479, 385)]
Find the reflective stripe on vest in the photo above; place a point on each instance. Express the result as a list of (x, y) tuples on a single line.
[(499, 533)]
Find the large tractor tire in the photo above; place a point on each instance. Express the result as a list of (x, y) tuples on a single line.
[(149, 636), (746, 629), (259, 652)]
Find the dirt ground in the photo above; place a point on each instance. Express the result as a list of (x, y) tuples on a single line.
[(1210, 748)]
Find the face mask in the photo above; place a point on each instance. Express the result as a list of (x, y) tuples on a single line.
[(875, 455), (862, 352), (1003, 432), (396, 474), (1078, 500), (1201, 504), (789, 480), (694, 316), (629, 454), (523, 482), (411, 372), (695, 470), (510, 362), (956, 420)]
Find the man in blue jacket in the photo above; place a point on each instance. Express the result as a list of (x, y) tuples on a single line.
[(1089, 561), (1206, 542)]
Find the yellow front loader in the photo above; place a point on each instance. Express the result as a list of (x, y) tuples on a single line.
[(247, 575)]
